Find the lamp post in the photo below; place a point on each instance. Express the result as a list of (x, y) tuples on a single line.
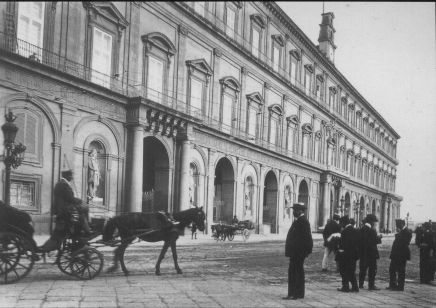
[(14, 153), (341, 206)]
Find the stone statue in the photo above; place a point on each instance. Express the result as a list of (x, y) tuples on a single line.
[(93, 174)]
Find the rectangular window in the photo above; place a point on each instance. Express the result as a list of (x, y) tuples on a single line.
[(23, 194), (101, 57), (308, 81), (252, 122), (30, 29), (155, 79), (318, 89), (255, 42), (227, 112), (291, 137), (196, 95), (273, 131), (231, 19), (276, 57), (294, 70)]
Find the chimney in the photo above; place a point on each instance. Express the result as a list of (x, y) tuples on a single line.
[(327, 36)]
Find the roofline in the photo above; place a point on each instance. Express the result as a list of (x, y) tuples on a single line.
[(287, 21)]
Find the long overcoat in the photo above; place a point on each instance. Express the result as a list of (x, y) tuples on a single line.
[(400, 248), (299, 241)]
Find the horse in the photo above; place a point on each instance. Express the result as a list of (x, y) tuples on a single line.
[(150, 228)]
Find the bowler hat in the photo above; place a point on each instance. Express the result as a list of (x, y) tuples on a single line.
[(371, 218), (67, 172), (299, 206), (400, 221), (336, 217)]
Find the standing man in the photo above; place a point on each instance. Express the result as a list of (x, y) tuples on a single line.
[(331, 227), (348, 255), (299, 245), (425, 242), (66, 208), (400, 253), (93, 174), (369, 252)]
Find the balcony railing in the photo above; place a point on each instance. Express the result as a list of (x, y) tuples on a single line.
[(11, 44)]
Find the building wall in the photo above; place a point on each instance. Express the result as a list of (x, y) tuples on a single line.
[(157, 150)]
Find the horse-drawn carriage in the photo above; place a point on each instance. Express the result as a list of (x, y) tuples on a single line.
[(18, 250), (78, 256), (222, 231)]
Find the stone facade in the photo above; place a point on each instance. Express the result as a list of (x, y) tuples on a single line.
[(225, 105)]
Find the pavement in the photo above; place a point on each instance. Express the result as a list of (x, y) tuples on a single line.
[(215, 274)]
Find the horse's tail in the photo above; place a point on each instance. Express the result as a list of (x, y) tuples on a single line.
[(109, 229)]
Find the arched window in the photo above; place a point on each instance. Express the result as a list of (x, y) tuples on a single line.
[(158, 52), (96, 173)]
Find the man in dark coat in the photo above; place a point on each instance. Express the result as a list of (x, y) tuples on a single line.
[(369, 252), (400, 253), (348, 254), (425, 241), (67, 208), (331, 227), (299, 245)]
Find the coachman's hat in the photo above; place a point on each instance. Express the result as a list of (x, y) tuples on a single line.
[(299, 206), (336, 217), (371, 218), (66, 172)]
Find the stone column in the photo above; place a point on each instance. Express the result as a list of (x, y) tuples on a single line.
[(184, 175), (325, 202), (210, 188), (134, 170)]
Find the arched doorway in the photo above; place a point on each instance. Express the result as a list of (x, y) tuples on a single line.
[(303, 193), (270, 202), (347, 205), (155, 174), (332, 207), (193, 185), (224, 191), (373, 210)]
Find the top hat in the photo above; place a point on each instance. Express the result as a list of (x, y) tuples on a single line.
[(370, 218), (66, 172), (344, 220), (299, 206), (336, 217), (400, 221)]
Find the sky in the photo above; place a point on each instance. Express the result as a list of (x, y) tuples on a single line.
[(387, 51)]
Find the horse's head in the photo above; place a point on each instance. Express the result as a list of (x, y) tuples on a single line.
[(199, 218)]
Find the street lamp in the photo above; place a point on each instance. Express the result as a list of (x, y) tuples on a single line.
[(14, 153), (341, 206)]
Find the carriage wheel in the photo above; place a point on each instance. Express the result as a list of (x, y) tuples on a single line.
[(86, 263), (231, 236), (16, 261), (245, 234), (64, 259)]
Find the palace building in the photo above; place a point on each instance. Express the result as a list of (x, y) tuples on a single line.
[(170, 105)]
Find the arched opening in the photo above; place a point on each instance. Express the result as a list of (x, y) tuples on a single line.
[(224, 191), (287, 211), (270, 203), (155, 176), (303, 193), (347, 206), (373, 210)]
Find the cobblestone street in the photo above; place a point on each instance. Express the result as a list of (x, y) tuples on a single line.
[(223, 274)]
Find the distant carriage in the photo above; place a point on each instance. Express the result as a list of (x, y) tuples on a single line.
[(222, 231)]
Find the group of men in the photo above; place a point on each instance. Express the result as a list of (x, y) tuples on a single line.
[(350, 244)]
